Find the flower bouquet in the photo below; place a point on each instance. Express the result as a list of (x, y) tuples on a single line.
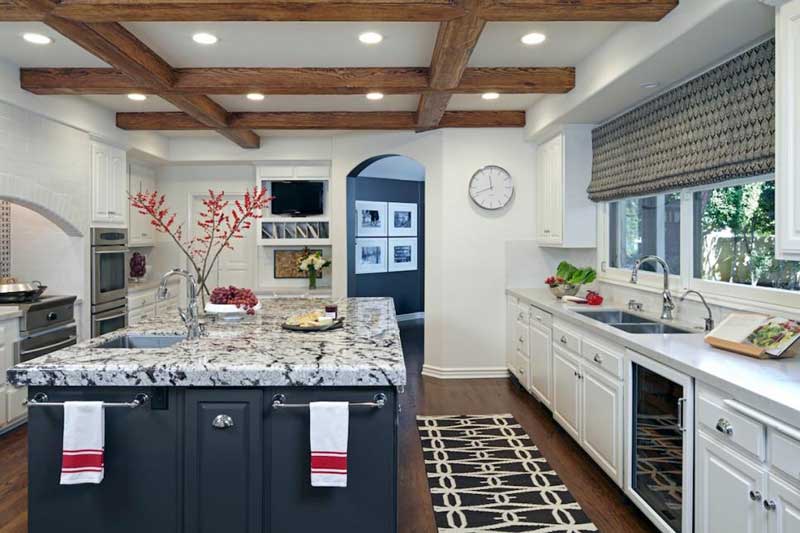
[(312, 263)]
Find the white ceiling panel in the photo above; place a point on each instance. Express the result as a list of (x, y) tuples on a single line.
[(122, 104), (506, 102), (350, 102), (60, 53), (567, 43), (290, 44)]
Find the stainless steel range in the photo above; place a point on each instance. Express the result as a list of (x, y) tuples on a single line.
[(47, 325)]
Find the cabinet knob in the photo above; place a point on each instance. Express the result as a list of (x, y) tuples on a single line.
[(563, 340), (222, 422), (725, 427), (522, 339), (598, 359), (755, 495), (770, 505)]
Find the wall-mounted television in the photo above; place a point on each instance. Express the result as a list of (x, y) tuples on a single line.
[(297, 198)]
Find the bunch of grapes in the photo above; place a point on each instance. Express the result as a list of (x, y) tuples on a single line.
[(241, 298)]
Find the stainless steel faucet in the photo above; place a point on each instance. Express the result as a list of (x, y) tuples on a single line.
[(189, 315), (710, 318), (668, 303)]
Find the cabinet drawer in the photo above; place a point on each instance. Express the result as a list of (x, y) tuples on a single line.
[(784, 453), (521, 314), (601, 357), (521, 339), (520, 367), (566, 339), (540, 317), (729, 425), (142, 299)]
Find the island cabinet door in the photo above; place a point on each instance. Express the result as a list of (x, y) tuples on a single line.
[(224, 465), (140, 490), (368, 503)]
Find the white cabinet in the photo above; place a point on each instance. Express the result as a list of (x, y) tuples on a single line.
[(784, 507), (565, 217), (601, 419), (11, 398), (787, 131), (729, 490), (141, 232), (541, 351), (567, 392), (109, 185)]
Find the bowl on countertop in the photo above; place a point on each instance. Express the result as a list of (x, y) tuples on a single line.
[(559, 291)]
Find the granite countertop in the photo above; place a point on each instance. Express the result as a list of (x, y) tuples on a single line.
[(771, 386), (255, 352)]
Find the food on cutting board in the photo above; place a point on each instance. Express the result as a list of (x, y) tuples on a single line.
[(308, 320)]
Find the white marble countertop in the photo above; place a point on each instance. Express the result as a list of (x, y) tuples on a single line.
[(771, 386), (255, 352)]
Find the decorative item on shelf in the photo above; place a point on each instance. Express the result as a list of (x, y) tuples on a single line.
[(138, 267), (219, 224), (569, 278), (232, 303), (312, 264)]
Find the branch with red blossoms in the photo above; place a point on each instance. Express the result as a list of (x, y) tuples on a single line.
[(220, 222)]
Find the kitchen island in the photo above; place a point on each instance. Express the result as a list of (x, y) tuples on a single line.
[(171, 465)]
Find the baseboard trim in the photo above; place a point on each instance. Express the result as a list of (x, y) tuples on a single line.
[(464, 373), (14, 425), (411, 316)]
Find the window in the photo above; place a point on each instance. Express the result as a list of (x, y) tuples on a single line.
[(734, 237), (645, 226)]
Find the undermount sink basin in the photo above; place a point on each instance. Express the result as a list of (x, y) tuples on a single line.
[(139, 342), (651, 328), (615, 317)]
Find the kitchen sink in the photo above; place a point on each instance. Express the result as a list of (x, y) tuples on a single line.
[(140, 342), (651, 328), (615, 317)]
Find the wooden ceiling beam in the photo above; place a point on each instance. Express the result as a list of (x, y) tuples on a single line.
[(576, 10), (297, 81), (115, 45), (387, 120)]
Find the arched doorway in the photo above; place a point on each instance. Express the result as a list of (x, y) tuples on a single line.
[(386, 232)]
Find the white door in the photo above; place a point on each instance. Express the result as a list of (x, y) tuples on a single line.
[(566, 392), (601, 401), (234, 267), (140, 232), (541, 346), (99, 182), (117, 186), (784, 507), (729, 490)]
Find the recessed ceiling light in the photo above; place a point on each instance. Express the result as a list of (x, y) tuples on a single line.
[(256, 97), (533, 38), (650, 85), (204, 38), (375, 96), (37, 38), (490, 96), (370, 37), (137, 97)]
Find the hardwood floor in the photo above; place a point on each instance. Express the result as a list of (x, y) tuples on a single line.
[(601, 499)]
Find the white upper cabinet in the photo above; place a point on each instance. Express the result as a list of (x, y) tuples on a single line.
[(109, 185), (565, 217), (787, 131), (141, 232)]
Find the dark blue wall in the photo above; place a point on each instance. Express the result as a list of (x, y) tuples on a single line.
[(407, 288)]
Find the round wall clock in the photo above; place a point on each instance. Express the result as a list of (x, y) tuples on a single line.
[(491, 187)]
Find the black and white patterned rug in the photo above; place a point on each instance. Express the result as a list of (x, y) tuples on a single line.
[(485, 474)]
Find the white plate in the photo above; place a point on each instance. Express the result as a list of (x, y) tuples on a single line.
[(228, 309)]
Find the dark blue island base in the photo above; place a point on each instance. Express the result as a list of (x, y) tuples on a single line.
[(167, 469)]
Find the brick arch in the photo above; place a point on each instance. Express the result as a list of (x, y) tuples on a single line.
[(58, 208)]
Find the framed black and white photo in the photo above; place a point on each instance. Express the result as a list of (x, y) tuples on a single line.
[(371, 256), (402, 220), (371, 219), (402, 254)]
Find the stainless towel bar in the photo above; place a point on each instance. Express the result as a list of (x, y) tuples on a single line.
[(279, 402), (40, 399)]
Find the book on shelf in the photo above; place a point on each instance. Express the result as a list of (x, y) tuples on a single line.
[(756, 335)]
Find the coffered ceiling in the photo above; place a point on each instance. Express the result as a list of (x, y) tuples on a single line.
[(436, 60)]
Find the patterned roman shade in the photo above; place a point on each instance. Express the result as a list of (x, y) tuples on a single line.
[(718, 126)]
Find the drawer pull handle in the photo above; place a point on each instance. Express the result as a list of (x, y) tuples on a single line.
[(725, 427), (222, 422), (598, 359), (522, 339), (755, 495), (770, 505), (563, 339), (539, 318)]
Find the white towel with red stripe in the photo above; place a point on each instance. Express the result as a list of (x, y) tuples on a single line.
[(84, 442), (329, 428)]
